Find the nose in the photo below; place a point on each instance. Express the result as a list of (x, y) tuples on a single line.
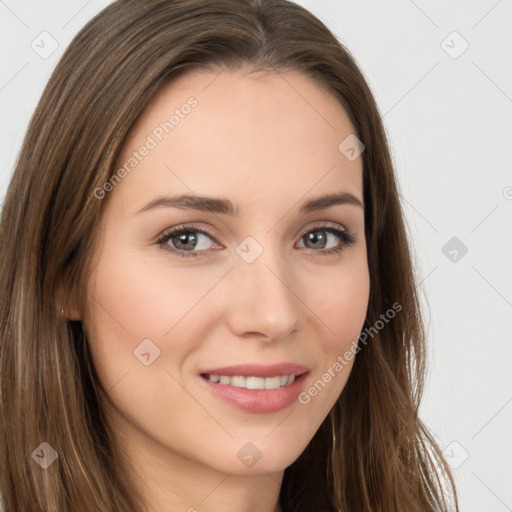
[(262, 299)]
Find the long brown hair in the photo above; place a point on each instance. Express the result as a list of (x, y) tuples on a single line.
[(372, 452)]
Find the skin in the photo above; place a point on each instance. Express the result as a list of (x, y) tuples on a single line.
[(267, 142)]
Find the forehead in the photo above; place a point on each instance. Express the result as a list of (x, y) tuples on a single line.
[(240, 133)]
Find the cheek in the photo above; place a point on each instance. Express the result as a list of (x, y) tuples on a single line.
[(139, 298), (340, 299), (132, 300)]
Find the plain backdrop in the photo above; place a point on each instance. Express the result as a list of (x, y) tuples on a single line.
[(441, 73)]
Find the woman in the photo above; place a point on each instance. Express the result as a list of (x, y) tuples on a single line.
[(271, 357)]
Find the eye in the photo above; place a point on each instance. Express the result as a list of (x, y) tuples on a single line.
[(322, 236), (185, 240)]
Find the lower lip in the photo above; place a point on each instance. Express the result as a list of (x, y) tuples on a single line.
[(258, 400)]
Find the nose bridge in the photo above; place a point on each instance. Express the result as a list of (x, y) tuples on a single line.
[(265, 301)]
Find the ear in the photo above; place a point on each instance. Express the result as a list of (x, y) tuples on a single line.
[(66, 300)]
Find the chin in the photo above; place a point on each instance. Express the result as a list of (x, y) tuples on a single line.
[(251, 455)]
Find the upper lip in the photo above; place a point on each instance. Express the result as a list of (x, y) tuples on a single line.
[(258, 370)]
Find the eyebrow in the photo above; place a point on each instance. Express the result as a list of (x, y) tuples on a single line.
[(225, 206)]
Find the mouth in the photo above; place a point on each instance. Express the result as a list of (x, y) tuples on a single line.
[(256, 388)]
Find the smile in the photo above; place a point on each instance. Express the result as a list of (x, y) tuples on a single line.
[(256, 387)]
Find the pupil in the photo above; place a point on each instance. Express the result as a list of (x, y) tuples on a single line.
[(315, 238), (183, 240)]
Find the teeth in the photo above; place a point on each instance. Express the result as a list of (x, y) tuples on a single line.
[(238, 382), (253, 382), (271, 382)]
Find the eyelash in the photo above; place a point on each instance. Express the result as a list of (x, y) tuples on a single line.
[(344, 235)]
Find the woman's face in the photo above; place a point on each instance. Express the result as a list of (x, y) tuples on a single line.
[(261, 285)]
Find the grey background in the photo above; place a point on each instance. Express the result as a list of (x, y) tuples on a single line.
[(448, 114)]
